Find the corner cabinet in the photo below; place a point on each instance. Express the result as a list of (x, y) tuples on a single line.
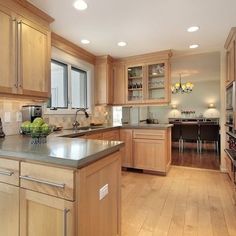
[(25, 52)]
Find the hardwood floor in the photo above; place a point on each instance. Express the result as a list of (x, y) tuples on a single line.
[(185, 202), (208, 159)]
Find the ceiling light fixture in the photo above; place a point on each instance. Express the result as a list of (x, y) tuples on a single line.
[(80, 5), (85, 41), (194, 46), (193, 29), (182, 88), (122, 44)]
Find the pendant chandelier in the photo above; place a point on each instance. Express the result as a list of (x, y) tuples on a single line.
[(182, 88)]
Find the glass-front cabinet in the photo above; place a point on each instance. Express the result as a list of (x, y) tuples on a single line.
[(148, 83), (157, 82), (135, 84)]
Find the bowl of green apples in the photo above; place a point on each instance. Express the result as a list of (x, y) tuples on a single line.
[(38, 130)]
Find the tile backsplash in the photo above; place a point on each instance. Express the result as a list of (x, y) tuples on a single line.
[(10, 113)]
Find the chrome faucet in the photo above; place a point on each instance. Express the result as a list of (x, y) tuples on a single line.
[(76, 123)]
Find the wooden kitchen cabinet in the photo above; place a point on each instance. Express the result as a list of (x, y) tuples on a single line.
[(148, 83), (127, 157), (41, 214), (25, 49), (146, 149), (9, 210), (97, 136), (119, 83), (112, 135), (230, 56), (149, 154), (34, 59), (99, 205), (103, 81), (7, 46)]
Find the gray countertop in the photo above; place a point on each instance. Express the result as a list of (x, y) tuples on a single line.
[(65, 147), (67, 152)]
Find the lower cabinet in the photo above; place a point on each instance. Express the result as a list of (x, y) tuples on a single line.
[(99, 198), (126, 137), (9, 210), (147, 149), (149, 154), (41, 214)]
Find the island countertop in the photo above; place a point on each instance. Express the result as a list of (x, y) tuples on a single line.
[(66, 152)]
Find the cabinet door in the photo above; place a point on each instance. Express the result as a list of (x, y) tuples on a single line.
[(157, 83), (230, 57), (9, 209), (43, 215), (135, 84), (103, 81), (126, 137), (7, 52), (149, 154), (119, 83), (33, 59)]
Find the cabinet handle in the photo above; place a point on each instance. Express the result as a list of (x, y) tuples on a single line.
[(49, 183), (7, 173), (65, 212)]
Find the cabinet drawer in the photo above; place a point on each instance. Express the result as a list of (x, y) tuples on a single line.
[(149, 134), (113, 135), (49, 180), (9, 171), (97, 136)]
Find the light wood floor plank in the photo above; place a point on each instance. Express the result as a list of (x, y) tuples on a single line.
[(186, 202)]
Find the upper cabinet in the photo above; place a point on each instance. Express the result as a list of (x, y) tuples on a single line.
[(119, 83), (230, 56), (143, 79), (25, 48), (33, 59), (7, 45), (157, 84), (103, 81)]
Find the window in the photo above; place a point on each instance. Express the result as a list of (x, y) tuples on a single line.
[(68, 86), (78, 88), (59, 84)]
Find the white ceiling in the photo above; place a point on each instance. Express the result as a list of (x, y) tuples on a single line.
[(146, 26)]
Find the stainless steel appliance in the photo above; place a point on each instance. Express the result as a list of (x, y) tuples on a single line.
[(230, 96), (231, 105), (30, 112)]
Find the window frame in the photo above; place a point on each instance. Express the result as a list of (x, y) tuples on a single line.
[(89, 87), (66, 90), (86, 86)]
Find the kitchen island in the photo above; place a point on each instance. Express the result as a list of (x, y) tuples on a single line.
[(65, 187)]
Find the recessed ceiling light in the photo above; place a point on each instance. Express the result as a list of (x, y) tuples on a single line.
[(122, 44), (85, 41), (80, 5), (194, 46), (193, 29)]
